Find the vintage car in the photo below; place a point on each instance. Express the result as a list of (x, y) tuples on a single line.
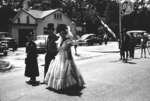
[(137, 34), (3, 45), (40, 42), (10, 42), (3, 48), (89, 39)]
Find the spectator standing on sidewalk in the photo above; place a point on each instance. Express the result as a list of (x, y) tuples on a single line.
[(76, 44), (132, 43), (144, 40), (124, 46), (105, 38), (75, 47), (31, 69)]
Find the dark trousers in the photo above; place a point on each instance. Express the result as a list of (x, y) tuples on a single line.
[(48, 59), (132, 53)]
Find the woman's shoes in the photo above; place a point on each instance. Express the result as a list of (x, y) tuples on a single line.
[(31, 82)]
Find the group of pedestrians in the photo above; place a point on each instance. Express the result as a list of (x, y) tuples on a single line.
[(60, 71), (128, 43)]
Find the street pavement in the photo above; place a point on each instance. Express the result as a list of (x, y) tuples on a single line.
[(106, 77)]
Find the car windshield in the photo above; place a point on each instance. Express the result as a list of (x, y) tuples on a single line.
[(42, 37)]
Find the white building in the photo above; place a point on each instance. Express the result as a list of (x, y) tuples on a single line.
[(36, 21)]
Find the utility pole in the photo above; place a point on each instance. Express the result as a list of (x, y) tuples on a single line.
[(120, 26)]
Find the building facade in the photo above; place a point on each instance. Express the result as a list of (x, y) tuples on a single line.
[(36, 21)]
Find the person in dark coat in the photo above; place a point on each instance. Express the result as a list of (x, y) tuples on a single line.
[(31, 69), (124, 46), (51, 49), (144, 40), (132, 42)]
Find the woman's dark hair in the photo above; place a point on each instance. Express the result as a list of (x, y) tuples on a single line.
[(61, 27)]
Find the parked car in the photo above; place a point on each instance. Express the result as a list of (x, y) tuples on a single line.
[(3, 48), (3, 34), (10, 42), (41, 41), (89, 39), (137, 34)]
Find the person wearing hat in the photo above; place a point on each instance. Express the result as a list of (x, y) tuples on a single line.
[(31, 68), (63, 73), (144, 40), (51, 48), (132, 44)]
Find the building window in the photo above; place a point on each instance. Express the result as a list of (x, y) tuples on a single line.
[(45, 31), (28, 20), (58, 16), (55, 16), (50, 26), (18, 20)]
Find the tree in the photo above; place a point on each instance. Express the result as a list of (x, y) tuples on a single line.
[(111, 15), (6, 14), (139, 18)]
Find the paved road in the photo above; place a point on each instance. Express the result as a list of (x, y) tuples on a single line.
[(107, 79)]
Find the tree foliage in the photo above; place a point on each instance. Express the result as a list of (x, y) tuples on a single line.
[(85, 12), (139, 18)]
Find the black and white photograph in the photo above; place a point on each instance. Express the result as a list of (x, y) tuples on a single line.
[(74, 50)]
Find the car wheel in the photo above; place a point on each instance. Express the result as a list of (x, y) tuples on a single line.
[(14, 48), (5, 53)]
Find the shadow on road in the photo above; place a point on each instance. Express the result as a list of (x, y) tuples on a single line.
[(71, 91), (77, 55), (128, 62), (105, 51), (35, 83)]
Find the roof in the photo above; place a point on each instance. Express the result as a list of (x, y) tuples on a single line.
[(37, 14)]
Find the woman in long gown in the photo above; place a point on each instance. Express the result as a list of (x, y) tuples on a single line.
[(62, 72)]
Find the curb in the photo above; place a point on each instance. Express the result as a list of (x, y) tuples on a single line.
[(8, 67)]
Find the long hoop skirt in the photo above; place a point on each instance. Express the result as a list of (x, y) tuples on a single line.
[(63, 73)]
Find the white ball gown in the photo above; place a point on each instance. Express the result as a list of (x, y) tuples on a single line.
[(62, 72)]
